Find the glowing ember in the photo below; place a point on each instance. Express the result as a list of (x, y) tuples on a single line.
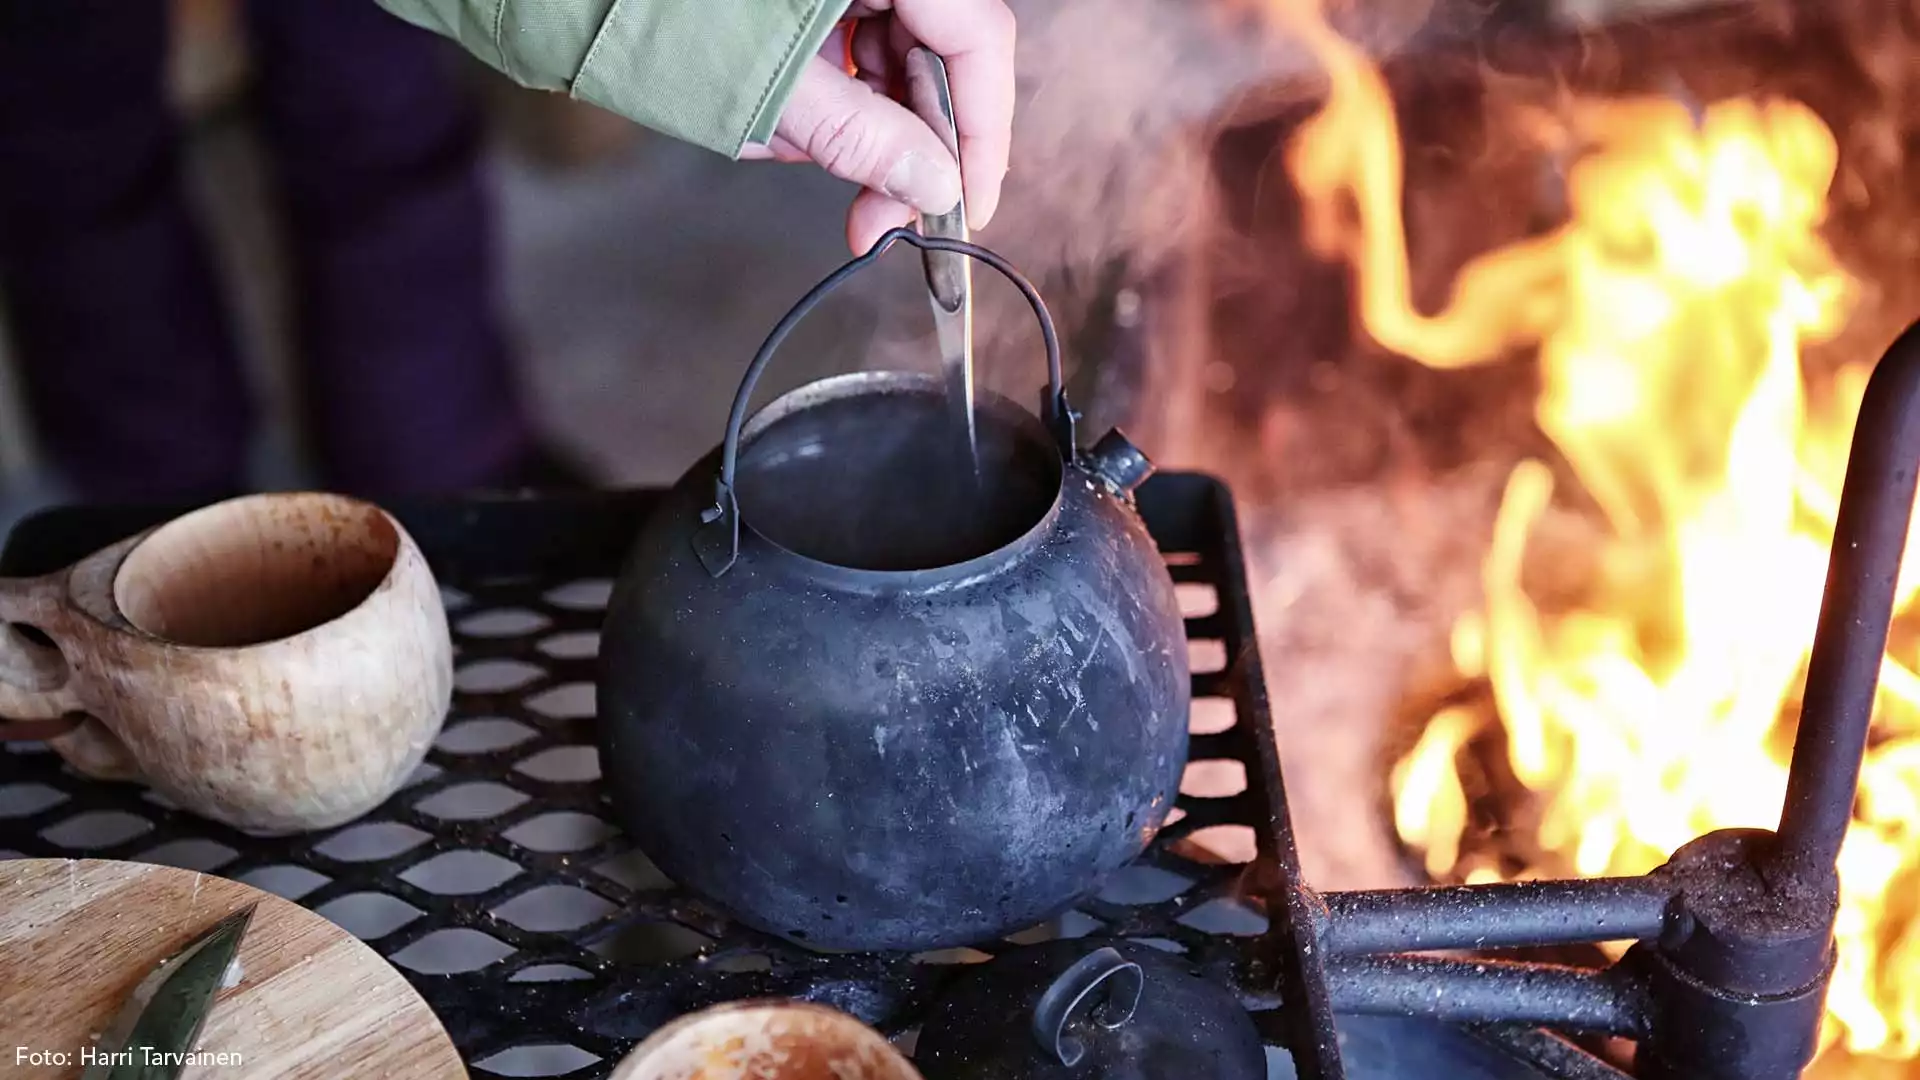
[(1668, 314)]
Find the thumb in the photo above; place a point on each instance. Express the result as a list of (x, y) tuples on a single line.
[(871, 140)]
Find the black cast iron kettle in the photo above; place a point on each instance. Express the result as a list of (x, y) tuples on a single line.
[(862, 701)]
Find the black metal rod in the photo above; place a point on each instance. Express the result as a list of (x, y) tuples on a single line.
[(1290, 947), (1843, 672), (1507, 915), (1489, 991)]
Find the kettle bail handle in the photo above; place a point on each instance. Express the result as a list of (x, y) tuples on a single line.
[(722, 519), (1077, 991)]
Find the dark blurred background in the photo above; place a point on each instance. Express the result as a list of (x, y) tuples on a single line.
[(635, 275)]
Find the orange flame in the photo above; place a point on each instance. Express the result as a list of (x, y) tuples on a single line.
[(1668, 314)]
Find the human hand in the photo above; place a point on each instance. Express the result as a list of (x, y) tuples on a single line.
[(846, 115)]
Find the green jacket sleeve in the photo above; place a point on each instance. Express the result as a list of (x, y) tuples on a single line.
[(715, 73)]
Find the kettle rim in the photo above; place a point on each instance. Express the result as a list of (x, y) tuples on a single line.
[(880, 382)]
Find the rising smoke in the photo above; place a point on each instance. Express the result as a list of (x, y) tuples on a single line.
[(1118, 101)]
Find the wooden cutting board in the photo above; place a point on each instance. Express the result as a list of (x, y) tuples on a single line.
[(313, 1003)]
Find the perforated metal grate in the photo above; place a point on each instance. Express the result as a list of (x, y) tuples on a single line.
[(547, 945)]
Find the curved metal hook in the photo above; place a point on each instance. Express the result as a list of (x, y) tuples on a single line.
[(1078, 992)]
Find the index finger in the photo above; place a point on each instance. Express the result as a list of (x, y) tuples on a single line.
[(976, 39)]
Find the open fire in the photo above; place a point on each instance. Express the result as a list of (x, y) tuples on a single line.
[(1654, 702)]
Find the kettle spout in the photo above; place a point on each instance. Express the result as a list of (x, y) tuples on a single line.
[(1118, 463)]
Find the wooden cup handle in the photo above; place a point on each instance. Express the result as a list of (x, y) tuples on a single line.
[(32, 672)]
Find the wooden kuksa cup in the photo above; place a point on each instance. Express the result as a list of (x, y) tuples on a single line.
[(278, 663), (766, 1040)]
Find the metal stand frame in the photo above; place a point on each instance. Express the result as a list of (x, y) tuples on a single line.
[(1734, 934)]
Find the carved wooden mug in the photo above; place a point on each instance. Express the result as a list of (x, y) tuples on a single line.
[(766, 1040), (278, 662)]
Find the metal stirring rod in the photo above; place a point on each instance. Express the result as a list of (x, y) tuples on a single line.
[(949, 275)]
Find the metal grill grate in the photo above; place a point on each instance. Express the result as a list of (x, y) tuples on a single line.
[(546, 943)]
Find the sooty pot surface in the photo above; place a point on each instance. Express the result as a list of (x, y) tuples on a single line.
[(911, 712)]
